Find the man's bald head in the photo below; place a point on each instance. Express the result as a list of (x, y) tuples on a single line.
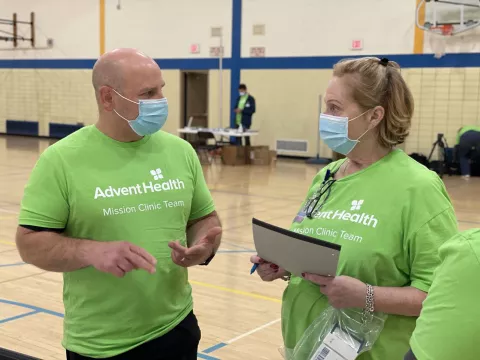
[(112, 68), (121, 79)]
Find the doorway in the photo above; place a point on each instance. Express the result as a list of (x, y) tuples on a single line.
[(194, 98)]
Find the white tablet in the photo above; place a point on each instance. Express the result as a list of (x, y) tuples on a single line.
[(296, 253)]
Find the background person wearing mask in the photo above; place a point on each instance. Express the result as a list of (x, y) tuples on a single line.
[(245, 107), (122, 210), (396, 212), (448, 326), (468, 143)]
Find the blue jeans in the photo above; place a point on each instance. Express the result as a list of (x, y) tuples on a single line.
[(468, 142)]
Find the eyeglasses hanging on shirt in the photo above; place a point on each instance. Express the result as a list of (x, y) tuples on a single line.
[(314, 204)]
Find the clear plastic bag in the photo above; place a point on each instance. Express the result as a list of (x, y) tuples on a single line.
[(347, 331)]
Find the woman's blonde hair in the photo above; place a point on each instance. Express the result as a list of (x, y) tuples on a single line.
[(376, 82)]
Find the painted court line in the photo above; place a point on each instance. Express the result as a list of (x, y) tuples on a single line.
[(7, 242), (253, 331), (31, 307), (235, 251), (18, 316), (221, 288), (38, 310), (13, 264), (231, 341), (206, 357), (234, 291)]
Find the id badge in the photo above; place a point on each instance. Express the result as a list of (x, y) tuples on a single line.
[(335, 346)]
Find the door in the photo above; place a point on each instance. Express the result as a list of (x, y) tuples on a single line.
[(194, 98)]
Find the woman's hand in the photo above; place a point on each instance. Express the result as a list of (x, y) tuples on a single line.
[(266, 270), (341, 291)]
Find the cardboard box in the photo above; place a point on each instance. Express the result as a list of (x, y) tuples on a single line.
[(260, 155), (234, 155)]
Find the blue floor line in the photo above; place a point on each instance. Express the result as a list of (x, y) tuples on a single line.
[(206, 357), (14, 264), (32, 307), (214, 348), (3, 321)]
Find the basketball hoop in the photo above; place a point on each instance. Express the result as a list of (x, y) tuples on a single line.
[(445, 30), (438, 38)]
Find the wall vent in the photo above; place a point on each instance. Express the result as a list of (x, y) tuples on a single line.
[(292, 147)]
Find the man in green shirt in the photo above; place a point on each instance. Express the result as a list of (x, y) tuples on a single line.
[(468, 141), (122, 210), (448, 325)]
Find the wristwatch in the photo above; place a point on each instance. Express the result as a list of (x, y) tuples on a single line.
[(209, 259)]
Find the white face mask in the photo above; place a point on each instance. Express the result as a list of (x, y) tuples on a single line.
[(241, 93)]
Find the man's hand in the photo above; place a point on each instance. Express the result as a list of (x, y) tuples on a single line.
[(237, 110), (266, 270), (120, 257), (198, 253)]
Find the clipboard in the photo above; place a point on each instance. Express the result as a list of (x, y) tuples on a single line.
[(296, 253)]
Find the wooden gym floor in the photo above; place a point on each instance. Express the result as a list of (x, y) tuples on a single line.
[(238, 314)]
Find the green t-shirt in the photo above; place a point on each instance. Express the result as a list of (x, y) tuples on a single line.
[(143, 192), (241, 106), (464, 129), (448, 326), (390, 219)]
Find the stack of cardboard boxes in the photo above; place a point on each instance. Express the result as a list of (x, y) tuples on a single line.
[(248, 155)]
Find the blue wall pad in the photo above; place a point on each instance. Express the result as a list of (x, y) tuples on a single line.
[(238, 63), (59, 131), (20, 127)]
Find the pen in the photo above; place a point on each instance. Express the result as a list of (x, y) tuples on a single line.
[(254, 267)]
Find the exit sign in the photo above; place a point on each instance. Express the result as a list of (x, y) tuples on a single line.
[(195, 48), (357, 44)]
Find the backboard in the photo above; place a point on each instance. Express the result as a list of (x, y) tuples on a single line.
[(461, 14), (442, 20)]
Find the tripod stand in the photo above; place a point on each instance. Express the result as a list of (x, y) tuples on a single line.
[(442, 156)]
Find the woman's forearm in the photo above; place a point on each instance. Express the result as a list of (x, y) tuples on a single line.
[(406, 301)]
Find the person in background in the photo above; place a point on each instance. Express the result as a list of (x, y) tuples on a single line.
[(122, 209), (468, 142), (448, 325), (245, 107), (389, 213)]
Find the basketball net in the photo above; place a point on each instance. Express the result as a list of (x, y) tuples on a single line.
[(438, 39)]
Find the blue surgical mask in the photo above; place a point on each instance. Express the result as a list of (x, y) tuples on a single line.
[(152, 115), (334, 132)]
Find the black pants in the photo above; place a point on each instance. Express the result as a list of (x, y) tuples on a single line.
[(239, 139), (410, 356), (468, 141), (181, 343)]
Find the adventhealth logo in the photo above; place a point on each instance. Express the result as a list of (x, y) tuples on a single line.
[(359, 218), (143, 188), (157, 174), (356, 205)]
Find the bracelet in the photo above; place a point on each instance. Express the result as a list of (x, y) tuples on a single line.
[(369, 304), (370, 300)]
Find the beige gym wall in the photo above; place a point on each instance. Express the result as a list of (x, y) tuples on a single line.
[(287, 105)]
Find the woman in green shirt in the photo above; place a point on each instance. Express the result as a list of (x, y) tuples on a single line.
[(389, 213)]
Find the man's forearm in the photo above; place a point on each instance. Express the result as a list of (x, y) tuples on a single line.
[(201, 227), (406, 301), (53, 252)]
